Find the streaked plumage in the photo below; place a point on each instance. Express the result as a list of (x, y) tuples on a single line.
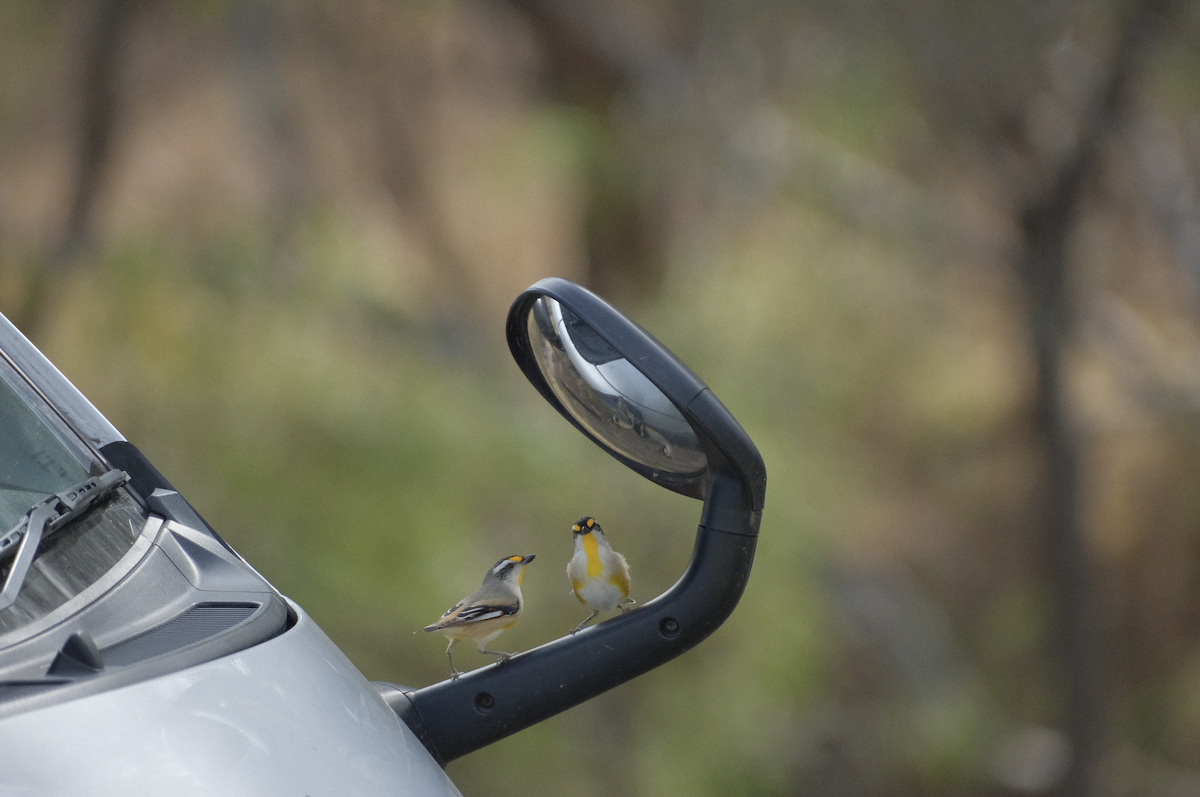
[(483, 615)]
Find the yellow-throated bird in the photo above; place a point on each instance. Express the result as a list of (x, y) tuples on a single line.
[(485, 614), (599, 575)]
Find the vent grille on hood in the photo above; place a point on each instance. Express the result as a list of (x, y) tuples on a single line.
[(198, 623)]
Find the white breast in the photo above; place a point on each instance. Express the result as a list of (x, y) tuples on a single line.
[(600, 594)]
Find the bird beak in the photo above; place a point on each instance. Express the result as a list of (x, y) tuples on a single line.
[(524, 561)]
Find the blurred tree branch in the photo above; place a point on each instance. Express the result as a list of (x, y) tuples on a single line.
[(595, 56), (986, 90), (1171, 185), (102, 49), (1047, 219), (392, 72), (275, 120)]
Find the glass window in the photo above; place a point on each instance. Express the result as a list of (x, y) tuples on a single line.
[(33, 462), (39, 457)]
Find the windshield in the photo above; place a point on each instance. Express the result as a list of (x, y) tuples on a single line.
[(33, 462), (40, 457)]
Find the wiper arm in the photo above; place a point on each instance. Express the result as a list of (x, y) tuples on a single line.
[(48, 516)]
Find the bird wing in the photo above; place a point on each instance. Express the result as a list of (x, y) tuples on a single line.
[(486, 611), (476, 613)]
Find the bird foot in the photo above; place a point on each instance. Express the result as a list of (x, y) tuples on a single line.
[(579, 627)]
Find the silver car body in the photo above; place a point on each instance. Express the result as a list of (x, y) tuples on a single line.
[(176, 669)]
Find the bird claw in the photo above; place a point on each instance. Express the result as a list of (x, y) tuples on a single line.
[(579, 627)]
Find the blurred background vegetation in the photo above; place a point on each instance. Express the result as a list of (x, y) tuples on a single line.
[(939, 258)]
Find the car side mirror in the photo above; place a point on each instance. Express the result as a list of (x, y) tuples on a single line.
[(636, 400)]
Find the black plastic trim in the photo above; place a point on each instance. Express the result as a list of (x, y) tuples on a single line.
[(145, 480), (199, 622), (726, 443), (456, 717)]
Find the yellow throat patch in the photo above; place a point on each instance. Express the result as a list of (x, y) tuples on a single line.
[(592, 549)]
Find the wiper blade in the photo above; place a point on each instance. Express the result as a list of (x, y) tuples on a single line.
[(45, 517)]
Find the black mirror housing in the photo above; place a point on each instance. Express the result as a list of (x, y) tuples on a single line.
[(604, 375)]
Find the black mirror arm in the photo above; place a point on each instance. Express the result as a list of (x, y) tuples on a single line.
[(456, 717)]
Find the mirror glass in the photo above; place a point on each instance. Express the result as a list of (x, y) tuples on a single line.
[(607, 395)]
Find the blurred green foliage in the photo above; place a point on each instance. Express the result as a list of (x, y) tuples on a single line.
[(373, 473), (292, 295)]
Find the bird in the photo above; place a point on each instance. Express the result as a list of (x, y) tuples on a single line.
[(485, 614), (599, 575)]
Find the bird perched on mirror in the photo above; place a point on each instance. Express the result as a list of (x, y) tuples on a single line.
[(599, 575), (486, 613)]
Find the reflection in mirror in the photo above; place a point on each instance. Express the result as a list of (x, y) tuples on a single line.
[(607, 395)]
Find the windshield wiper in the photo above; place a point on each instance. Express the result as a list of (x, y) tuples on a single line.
[(47, 516)]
